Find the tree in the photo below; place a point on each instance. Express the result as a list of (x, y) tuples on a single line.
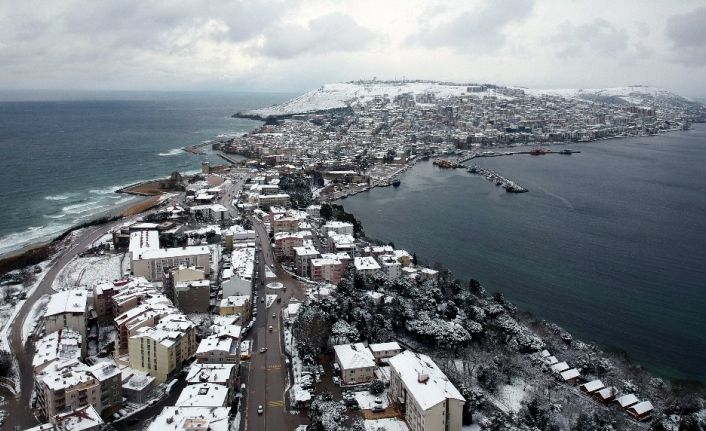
[(377, 387), (312, 330), (6, 369), (414, 259)]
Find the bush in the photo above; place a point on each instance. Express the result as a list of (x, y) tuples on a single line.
[(377, 387)]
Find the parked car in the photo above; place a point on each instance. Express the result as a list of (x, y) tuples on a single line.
[(270, 328), (377, 409), (260, 409), (263, 349)]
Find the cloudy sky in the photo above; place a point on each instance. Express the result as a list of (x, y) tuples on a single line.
[(274, 45)]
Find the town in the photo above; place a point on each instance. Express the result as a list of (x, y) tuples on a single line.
[(247, 298)]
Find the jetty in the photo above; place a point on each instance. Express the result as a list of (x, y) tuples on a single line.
[(499, 180), (532, 152)]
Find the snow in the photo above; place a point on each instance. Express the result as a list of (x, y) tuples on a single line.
[(275, 285), (631, 94), (270, 300), (472, 427), (385, 425), (34, 316), (89, 271), (366, 400), (342, 95), (512, 395)]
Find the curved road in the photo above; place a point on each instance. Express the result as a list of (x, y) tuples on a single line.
[(20, 414)]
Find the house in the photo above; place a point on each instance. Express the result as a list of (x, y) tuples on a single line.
[(641, 411), (356, 362), (383, 351), (81, 419), (560, 367), (67, 309), (390, 266), (366, 265), (606, 395), (626, 401), (571, 375), (203, 395), (423, 393), (340, 227), (591, 387)]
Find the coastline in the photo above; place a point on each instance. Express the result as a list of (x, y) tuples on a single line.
[(33, 253)]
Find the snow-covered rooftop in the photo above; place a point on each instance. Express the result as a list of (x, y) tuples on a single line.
[(191, 418), (203, 395), (354, 356), (67, 301), (423, 379)]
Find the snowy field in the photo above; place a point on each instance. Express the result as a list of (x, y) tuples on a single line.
[(89, 271), (385, 425), (366, 400), (512, 395), (34, 317)]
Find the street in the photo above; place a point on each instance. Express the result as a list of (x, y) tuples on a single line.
[(267, 372), (19, 406)]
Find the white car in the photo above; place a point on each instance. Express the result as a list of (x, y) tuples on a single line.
[(260, 410)]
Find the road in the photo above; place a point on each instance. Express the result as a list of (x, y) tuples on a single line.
[(268, 375), (19, 407)]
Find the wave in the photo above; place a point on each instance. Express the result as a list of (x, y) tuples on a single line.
[(60, 197), (32, 234), (172, 152)]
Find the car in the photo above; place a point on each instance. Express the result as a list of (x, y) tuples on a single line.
[(262, 300), (350, 402), (270, 328), (260, 409), (377, 409), (279, 299), (378, 401), (274, 315), (263, 349)]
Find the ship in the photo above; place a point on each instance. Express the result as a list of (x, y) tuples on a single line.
[(538, 152)]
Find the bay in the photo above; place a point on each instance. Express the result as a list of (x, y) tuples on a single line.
[(609, 243)]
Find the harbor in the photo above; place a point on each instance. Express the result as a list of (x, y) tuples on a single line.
[(499, 180)]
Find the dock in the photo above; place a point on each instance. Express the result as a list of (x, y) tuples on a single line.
[(499, 180), (533, 152)]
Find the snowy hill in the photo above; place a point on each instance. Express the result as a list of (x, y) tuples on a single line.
[(343, 95), (632, 95)]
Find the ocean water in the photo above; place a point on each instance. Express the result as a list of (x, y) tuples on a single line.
[(63, 154), (609, 243)]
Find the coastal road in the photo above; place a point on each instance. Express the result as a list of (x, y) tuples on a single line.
[(19, 407), (268, 375)]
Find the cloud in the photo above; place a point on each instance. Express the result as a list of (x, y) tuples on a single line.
[(480, 31), (598, 36), (687, 34), (329, 33)]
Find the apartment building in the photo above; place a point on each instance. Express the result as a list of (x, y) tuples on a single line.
[(67, 309), (423, 393), (356, 362), (326, 270)]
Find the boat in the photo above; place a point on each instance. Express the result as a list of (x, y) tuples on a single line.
[(538, 152), (396, 182)]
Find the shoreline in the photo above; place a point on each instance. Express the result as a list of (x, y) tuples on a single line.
[(33, 253)]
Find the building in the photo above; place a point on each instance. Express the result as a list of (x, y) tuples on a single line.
[(425, 396), (146, 315), (137, 385), (286, 242), (340, 227), (66, 385), (225, 375), (366, 265), (203, 395), (149, 261), (314, 211), (284, 223), (192, 419), (273, 199), (110, 383), (237, 278), (162, 349), (302, 257), (62, 345), (67, 309), (384, 351), (326, 270), (216, 349), (356, 362), (82, 419), (235, 305), (390, 266)]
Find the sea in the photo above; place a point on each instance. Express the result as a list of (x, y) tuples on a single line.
[(609, 243), (63, 154)]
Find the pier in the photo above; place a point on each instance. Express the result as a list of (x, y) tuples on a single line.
[(533, 152), (499, 180)]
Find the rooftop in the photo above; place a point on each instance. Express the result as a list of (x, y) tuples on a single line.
[(423, 379)]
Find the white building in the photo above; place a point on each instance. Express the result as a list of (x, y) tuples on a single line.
[(340, 227), (366, 265), (67, 309), (192, 419), (383, 351), (149, 261), (356, 362), (390, 266), (238, 277), (61, 345), (430, 402), (203, 395)]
